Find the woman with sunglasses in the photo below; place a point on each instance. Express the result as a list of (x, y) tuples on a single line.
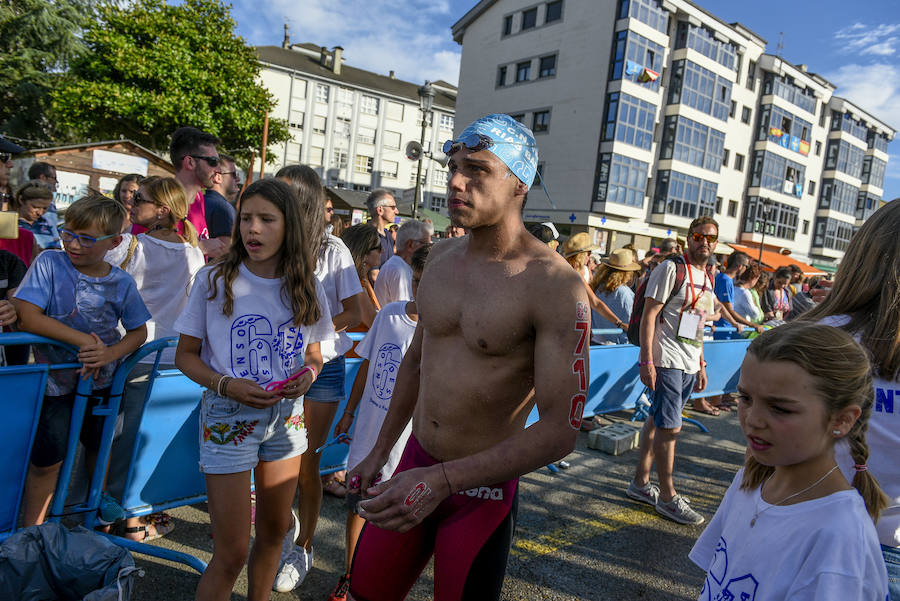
[(162, 263)]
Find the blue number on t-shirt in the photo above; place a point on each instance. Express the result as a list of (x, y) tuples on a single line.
[(251, 349), (387, 363), (289, 345)]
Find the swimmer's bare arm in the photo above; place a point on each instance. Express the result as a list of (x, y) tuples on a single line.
[(561, 379), (403, 403)]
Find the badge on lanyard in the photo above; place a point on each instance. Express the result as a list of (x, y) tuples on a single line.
[(691, 320)]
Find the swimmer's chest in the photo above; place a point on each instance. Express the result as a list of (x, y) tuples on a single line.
[(488, 307)]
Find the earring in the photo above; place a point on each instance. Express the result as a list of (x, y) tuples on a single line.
[(836, 432)]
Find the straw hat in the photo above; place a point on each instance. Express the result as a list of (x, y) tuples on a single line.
[(623, 260), (579, 243)]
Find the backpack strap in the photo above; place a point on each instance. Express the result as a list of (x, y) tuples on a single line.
[(131, 247), (680, 275)]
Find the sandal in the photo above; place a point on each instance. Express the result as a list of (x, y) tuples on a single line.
[(335, 486), (161, 524), (705, 408)]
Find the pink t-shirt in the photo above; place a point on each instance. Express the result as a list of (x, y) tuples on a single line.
[(197, 216), (22, 247)]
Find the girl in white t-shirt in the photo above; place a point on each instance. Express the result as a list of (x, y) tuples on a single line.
[(251, 333), (162, 263), (790, 526)]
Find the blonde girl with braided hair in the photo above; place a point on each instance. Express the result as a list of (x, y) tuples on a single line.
[(790, 525), (163, 261)]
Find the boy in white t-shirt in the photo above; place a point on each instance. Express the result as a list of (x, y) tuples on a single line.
[(382, 350)]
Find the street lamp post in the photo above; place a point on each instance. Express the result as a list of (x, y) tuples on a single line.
[(426, 100), (765, 205)]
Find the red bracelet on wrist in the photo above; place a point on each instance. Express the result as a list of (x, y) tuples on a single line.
[(643, 363)]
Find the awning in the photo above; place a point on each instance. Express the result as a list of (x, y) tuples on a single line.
[(772, 260), (724, 248), (441, 222), (824, 267)]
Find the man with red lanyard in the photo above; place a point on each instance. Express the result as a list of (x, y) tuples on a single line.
[(194, 155), (672, 365)]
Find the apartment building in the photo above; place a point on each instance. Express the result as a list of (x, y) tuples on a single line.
[(649, 113), (353, 125)]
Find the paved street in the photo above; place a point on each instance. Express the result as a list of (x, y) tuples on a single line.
[(578, 536)]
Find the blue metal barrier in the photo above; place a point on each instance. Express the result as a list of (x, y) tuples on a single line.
[(19, 424)]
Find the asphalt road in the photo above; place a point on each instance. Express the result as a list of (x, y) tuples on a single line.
[(578, 536)]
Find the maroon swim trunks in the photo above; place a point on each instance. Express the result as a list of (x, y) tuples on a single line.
[(469, 534)]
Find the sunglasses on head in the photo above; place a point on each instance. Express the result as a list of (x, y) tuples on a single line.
[(475, 142), (211, 161), (697, 237)]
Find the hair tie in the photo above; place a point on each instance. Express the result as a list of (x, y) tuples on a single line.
[(860, 467)]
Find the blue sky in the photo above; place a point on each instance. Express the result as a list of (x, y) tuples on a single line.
[(854, 45)]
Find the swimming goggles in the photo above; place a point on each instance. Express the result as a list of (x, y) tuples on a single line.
[(475, 142)]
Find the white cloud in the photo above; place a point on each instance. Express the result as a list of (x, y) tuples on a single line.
[(880, 40), (410, 37)]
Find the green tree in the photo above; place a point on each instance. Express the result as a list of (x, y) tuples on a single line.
[(38, 40), (152, 68)]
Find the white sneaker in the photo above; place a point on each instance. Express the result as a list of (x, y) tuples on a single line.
[(293, 569), (287, 545)]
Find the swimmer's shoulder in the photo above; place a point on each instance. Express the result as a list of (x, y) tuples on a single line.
[(550, 275)]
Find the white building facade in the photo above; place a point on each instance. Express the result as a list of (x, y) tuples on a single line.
[(649, 113), (353, 125)]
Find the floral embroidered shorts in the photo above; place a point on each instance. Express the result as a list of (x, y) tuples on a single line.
[(235, 438)]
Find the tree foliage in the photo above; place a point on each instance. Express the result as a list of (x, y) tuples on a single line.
[(38, 40), (151, 68)]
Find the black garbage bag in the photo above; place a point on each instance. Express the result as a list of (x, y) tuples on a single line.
[(49, 562)]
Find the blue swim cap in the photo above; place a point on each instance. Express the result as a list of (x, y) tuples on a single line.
[(513, 144)]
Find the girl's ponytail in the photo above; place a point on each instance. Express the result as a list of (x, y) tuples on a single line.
[(863, 480), (189, 232)]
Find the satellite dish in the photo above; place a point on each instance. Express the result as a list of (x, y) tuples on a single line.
[(414, 151)]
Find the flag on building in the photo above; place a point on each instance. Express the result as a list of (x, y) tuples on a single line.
[(647, 75), (632, 68)]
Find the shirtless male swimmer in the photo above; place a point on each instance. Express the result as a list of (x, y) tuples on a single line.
[(504, 323)]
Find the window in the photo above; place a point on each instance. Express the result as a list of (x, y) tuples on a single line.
[(632, 54), (732, 208), (629, 120), (520, 117), (439, 177), (718, 205), (395, 111), (391, 140), (316, 156), (547, 66), (523, 71), (848, 124), (738, 162), (298, 89), (412, 178), (365, 135), (339, 159), (699, 88), (364, 164), (319, 123), (294, 153), (691, 142), (447, 121), (501, 77), (784, 87), (805, 227), (838, 196), (621, 180), (507, 25), (751, 76), (368, 105), (781, 220), (554, 11), (321, 93), (733, 110), (873, 171), (877, 141), (775, 172), (684, 195), (818, 149), (342, 127), (844, 157), (866, 205), (811, 188), (745, 115), (833, 234), (296, 119), (704, 41), (541, 121), (725, 158), (529, 18), (389, 169), (438, 203), (645, 11), (784, 128)]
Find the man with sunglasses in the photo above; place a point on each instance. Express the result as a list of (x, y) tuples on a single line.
[(220, 212), (196, 160), (504, 325), (382, 207), (678, 296)]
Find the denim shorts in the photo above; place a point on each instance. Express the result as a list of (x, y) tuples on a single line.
[(329, 386), (673, 389), (892, 562), (235, 437)]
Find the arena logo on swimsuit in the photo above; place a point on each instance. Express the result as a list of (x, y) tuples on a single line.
[(484, 492)]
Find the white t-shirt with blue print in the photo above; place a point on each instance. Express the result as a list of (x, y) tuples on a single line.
[(259, 340), (823, 550), (84, 303)]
